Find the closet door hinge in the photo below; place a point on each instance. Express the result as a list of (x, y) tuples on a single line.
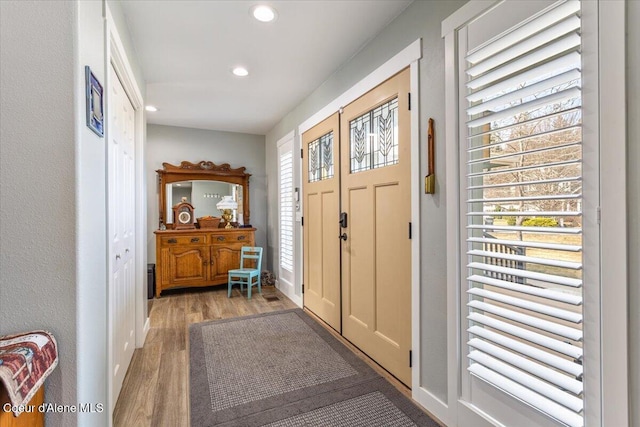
[(410, 231), (409, 101), (303, 288), (410, 359), (301, 151), (302, 221)]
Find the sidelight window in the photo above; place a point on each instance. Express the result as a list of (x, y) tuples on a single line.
[(524, 212)]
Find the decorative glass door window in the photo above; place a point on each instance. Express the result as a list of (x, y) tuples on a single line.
[(373, 138), (321, 158)]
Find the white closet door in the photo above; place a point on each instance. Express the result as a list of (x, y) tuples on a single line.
[(121, 231)]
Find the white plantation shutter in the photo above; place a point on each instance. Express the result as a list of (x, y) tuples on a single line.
[(523, 209), (286, 208)]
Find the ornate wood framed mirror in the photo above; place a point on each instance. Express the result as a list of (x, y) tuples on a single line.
[(203, 184)]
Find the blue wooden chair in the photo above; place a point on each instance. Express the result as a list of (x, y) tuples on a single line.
[(245, 275)]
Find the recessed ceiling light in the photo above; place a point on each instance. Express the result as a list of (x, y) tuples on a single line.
[(240, 71), (151, 108), (263, 13)]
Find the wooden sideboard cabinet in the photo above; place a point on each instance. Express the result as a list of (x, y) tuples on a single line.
[(34, 418), (202, 257)]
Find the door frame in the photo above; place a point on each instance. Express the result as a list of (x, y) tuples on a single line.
[(408, 57), (117, 58)]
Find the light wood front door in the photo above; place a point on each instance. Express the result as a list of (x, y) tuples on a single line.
[(321, 199), (376, 257)]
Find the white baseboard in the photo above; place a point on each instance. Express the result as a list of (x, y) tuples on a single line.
[(288, 291), (431, 403), (145, 329)]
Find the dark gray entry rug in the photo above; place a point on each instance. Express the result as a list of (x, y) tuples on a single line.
[(284, 369)]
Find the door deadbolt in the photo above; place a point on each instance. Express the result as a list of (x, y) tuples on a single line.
[(343, 220)]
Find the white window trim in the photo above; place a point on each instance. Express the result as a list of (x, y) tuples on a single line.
[(613, 302), (290, 292), (609, 124)]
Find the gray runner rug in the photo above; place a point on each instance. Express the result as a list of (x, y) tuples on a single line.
[(284, 369)]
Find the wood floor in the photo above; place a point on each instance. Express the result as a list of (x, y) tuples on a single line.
[(155, 390)]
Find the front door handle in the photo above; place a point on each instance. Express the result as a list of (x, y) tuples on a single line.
[(343, 236)]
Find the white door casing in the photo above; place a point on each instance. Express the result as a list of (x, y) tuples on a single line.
[(407, 57), (121, 182), (117, 59), (373, 307)]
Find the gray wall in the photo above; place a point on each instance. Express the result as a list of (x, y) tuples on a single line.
[(174, 144), (422, 19), (633, 200), (53, 193), (37, 181)]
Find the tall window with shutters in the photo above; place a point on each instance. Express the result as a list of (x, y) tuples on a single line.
[(286, 204), (523, 188)]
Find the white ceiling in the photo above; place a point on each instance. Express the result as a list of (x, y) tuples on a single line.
[(186, 50)]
